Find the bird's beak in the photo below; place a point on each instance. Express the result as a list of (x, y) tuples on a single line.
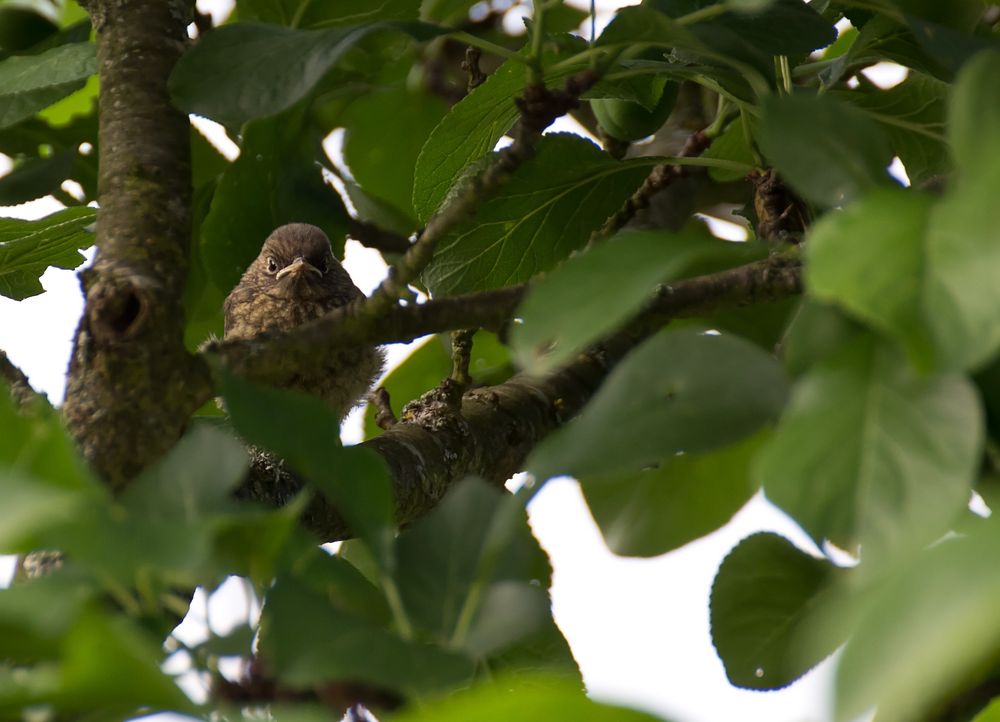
[(297, 268)]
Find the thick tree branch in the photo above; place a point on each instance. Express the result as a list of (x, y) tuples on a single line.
[(131, 384), (436, 445)]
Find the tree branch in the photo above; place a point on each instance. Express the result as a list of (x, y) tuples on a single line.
[(132, 386), (17, 382), (496, 427)]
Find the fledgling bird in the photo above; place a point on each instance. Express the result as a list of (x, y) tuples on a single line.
[(296, 279)]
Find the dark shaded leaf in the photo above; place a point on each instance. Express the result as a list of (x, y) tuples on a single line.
[(767, 601)]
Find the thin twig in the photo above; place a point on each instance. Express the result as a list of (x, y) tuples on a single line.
[(385, 417), (660, 177), (372, 236), (461, 350), (471, 67)]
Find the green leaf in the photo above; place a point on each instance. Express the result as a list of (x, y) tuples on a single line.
[(829, 151), (930, 634), (974, 117), (27, 248), (679, 391), (34, 178), (816, 331), (653, 511), (274, 181), (531, 698), (731, 145), (35, 615), (872, 260), (768, 599), (550, 207), (422, 370), (470, 131), (913, 116), (592, 293), (385, 132), (308, 641), (304, 432), (29, 83), (471, 574), (247, 70), (990, 714), (870, 453)]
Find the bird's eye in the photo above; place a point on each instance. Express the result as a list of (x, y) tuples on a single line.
[(272, 265)]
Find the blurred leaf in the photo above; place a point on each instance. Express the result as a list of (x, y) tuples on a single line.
[(445, 11), (343, 585), (679, 391), (304, 432), (111, 664), (34, 442), (276, 180), (990, 714), (29, 83), (247, 70), (553, 202), (653, 511), (871, 259), (870, 453), (767, 598), (781, 27), (592, 293), (930, 633), (34, 178), (815, 332), (27, 248), (528, 698), (308, 641), (422, 370), (913, 116), (35, 615), (470, 131), (829, 151), (385, 132), (974, 115), (472, 575), (949, 46)]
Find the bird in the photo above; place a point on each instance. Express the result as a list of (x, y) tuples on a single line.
[(296, 279)]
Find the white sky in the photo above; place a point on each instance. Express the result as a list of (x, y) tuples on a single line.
[(638, 628)]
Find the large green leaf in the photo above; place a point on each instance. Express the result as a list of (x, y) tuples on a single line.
[(653, 511), (470, 131), (471, 574), (27, 248), (550, 207), (307, 640), (592, 293), (769, 602), (963, 238), (304, 432), (385, 132), (829, 151), (929, 635), (274, 181), (29, 83), (872, 259), (912, 114), (870, 453), (679, 391), (248, 70)]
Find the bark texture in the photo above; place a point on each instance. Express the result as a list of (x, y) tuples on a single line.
[(489, 432), (132, 385)]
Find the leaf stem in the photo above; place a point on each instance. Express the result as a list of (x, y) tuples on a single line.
[(705, 13), (395, 602), (477, 42)]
